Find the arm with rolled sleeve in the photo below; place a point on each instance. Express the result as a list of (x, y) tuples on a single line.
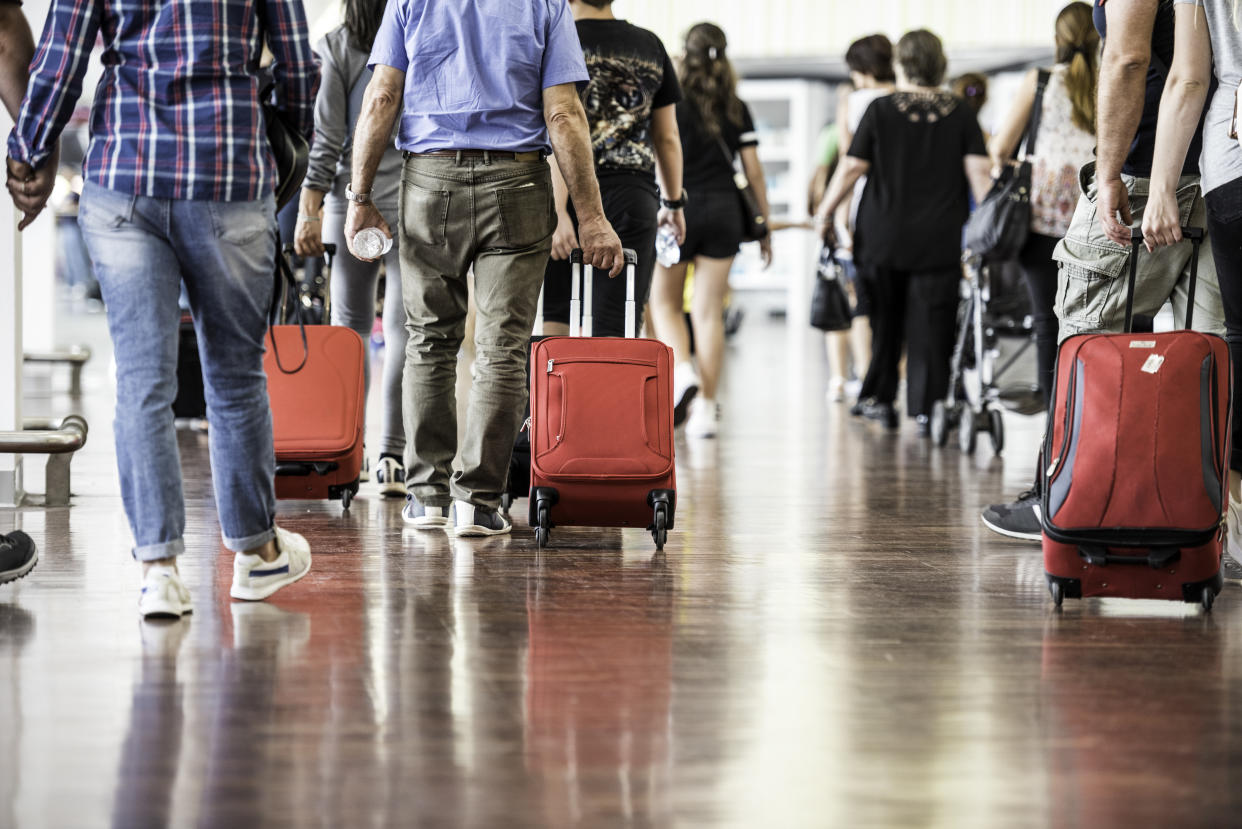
[(293, 68), (55, 84), (570, 136)]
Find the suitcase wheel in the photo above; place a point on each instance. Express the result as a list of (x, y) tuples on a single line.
[(1207, 599), (1057, 591), (541, 500), (346, 497), (659, 529), (543, 527)]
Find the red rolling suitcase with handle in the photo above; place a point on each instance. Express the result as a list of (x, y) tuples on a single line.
[(601, 425), (316, 385), (1136, 461)]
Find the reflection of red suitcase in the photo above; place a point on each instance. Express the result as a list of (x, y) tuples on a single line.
[(316, 385), (1136, 462), (601, 426), (599, 689)]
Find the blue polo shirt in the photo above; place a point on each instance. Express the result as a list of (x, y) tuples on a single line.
[(475, 70)]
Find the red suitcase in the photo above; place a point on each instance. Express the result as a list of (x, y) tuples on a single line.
[(1136, 470), (601, 426), (316, 385)]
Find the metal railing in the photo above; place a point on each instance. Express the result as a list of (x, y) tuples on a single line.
[(75, 357), (58, 442)]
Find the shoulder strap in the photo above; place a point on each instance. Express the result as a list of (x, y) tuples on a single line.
[(724, 149), (1037, 112)]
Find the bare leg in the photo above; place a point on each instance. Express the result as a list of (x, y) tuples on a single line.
[(667, 319), (711, 283)]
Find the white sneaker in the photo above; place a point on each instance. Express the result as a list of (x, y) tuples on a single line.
[(255, 579), (475, 521), (390, 475), (704, 419), (836, 389), (423, 517), (685, 387), (163, 594)]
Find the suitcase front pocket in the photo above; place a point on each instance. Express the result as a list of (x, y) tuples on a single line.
[(603, 419)]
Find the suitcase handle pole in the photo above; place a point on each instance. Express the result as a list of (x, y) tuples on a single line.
[(575, 293), (580, 297), (1195, 235)]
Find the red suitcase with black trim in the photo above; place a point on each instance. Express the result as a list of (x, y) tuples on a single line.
[(1137, 461), (601, 425), (316, 386)]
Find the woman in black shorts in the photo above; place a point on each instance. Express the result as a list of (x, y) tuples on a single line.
[(710, 113)]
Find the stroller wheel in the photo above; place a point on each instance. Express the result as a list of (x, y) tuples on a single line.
[(939, 423), (967, 432), (996, 429)]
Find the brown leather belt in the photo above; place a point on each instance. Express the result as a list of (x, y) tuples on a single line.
[(506, 155)]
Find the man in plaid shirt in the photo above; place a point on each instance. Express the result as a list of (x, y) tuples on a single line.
[(178, 189)]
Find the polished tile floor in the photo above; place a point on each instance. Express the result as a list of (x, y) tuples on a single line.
[(831, 639)]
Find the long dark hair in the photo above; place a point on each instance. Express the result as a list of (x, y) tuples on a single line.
[(708, 79), (362, 21)]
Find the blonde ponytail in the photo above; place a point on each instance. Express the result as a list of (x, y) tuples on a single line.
[(1078, 46)]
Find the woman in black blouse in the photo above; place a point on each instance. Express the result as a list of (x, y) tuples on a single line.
[(715, 127), (922, 151)]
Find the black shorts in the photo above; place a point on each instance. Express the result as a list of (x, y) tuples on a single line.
[(632, 205), (715, 225)]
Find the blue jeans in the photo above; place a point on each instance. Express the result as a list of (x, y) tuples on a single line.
[(142, 249)]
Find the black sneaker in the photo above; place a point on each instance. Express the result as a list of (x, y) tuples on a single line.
[(1017, 520), (882, 413), (922, 426), (18, 556)]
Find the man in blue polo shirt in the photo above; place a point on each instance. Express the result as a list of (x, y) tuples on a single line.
[(484, 90)]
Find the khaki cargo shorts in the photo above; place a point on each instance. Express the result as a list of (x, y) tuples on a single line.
[(1093, 270)]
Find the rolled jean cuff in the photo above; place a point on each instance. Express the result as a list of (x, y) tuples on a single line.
[(164, 549), (241, 545)]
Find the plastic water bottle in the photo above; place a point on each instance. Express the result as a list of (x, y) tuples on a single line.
[(372, 243), (668, 253)]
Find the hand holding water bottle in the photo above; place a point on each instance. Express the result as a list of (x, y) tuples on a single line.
[(366, 231), (672, 233)]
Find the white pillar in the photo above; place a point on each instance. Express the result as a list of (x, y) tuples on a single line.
[(10, 347)]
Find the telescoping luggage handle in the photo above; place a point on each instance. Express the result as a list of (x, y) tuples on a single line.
[(580, 304), (1195, 235)]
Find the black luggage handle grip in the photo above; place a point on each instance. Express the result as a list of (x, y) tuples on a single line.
[(1157, 559), (581, 309), (1195, 235), (329, 251)]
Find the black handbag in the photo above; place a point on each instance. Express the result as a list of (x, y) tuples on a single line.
[(755, 226), (998, 228), (289, 148), (830, 307)]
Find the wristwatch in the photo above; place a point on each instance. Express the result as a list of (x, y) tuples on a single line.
[(359, 198), (675, 204)]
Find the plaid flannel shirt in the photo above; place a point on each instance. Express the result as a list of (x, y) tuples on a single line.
[(176, 114)]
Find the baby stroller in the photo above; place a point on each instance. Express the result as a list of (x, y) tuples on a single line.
[(974, 401)]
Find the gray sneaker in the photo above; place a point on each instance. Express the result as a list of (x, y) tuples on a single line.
[(424, 517), (1017, 520), (1231, 568), (473, 520), (18, 556)]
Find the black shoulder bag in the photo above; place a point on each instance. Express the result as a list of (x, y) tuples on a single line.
[(755, 225), (998, 228)]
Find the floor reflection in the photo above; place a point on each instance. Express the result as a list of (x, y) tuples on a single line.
[(599, 682)]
